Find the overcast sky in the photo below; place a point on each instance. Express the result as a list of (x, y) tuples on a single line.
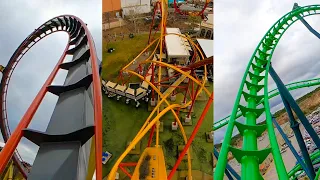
[(18, 19), (239, 27)]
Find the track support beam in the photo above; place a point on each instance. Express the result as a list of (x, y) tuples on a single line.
[(294, 152), (289, 104), (304, 22)]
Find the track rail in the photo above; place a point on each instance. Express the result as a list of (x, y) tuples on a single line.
[(249, 156), (273, 93), (297, 167), (76, 29), (162, 98)]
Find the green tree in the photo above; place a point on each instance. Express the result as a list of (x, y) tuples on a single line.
[(195, 21)]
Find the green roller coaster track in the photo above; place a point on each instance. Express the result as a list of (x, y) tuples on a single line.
[(273, 93), (297, 167), (250, 156)]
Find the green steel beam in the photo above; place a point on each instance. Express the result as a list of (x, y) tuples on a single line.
[(318, 175), (273, 93), (297, 167)]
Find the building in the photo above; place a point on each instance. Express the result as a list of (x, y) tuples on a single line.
[(115, 10), (111, 14), (178, 48), (112, 8), (206, 46), (206, 27), (133, 7)]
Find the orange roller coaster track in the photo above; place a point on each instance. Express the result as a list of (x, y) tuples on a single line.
[(76, 29)]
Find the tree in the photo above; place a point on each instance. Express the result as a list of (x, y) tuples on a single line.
[(197, 3), (169, 144), (106, 18), (134, 16), (195, 21)]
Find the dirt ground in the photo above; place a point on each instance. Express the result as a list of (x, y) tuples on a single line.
[(308, 103), (143, 27)]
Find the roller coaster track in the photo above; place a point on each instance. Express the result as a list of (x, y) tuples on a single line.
[(249, 156), (273, 93), (148, 124), (156, 114), (83, 52), (198, 64), (297, 167)]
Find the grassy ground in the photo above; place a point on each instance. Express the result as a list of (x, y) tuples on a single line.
[(121, 122), (120, 125), (125, 51)]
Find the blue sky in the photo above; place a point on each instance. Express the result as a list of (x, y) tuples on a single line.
[(18, 19), (239, 27)]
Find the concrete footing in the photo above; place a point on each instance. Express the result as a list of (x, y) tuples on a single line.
[(153, 102), (174, 126), (186, 80), (209, 136), (187, 119), (173, 97)]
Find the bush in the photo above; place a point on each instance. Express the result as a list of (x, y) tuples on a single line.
[(169, 145), (202, 156)]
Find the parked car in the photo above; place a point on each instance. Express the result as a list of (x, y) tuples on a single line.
[(285, 145)]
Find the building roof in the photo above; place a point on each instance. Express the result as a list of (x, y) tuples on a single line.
[(207, 46), (209, 22), (176, 45), (210, 19)]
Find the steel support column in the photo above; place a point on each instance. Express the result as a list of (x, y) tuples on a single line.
[(294, 152), (288, 101), (304, 22), (294, 106)]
